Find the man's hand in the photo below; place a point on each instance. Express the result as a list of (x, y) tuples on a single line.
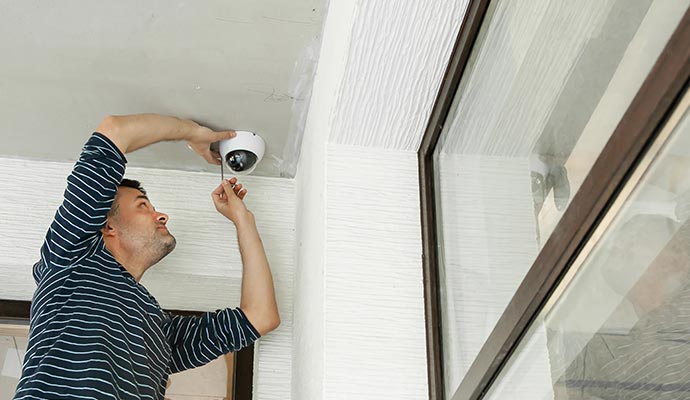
[(228, 199), (201, 138)]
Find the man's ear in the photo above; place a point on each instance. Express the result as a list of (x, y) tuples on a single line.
[(108, 229)]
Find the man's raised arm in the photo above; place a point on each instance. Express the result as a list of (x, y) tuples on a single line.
[(92, 185), (88, 196), (132, 132), (258, 300)]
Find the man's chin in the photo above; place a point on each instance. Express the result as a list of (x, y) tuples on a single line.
[(170, 244), (165, 247)]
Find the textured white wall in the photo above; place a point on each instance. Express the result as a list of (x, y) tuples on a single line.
[(374, 341), (398, 54), (203, 273)]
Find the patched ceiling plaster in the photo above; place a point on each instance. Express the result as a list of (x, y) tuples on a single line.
[(226, 64)]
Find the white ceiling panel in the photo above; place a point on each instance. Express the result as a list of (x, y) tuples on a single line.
[(227, 64)]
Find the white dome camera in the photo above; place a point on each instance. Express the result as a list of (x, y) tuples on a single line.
[(243, 152)]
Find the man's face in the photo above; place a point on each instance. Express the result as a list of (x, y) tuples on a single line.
[(140, 228)]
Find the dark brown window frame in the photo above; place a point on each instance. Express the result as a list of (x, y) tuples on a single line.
[(17, 312), (637, 129)]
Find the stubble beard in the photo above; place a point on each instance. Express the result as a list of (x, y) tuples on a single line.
[(163, 246), (154, 247)]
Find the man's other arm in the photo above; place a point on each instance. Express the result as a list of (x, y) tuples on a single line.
[(196, 341), (258, 300)]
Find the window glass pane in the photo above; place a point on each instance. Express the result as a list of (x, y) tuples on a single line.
[(621, 328), (547, 83), (13, 343)]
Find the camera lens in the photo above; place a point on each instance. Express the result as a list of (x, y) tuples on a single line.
[(240, 160)]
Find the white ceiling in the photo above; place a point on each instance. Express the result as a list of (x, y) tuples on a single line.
[(227, 64)]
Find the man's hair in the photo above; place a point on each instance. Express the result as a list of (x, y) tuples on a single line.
[(130, 183)]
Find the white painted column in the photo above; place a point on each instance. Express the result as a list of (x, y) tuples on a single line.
[(359, 316)]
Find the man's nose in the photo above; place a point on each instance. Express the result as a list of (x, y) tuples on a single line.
[(162, 217)]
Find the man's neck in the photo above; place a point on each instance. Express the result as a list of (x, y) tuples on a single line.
[(133, 265)]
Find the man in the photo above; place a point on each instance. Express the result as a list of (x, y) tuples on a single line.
[(96, 333)]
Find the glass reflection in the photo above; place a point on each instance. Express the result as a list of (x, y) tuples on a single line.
[(621, 329)]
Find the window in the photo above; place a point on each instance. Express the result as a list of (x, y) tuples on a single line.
[(546, 107)]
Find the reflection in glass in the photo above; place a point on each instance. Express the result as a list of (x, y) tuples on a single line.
[(621, 329), (546, 85)]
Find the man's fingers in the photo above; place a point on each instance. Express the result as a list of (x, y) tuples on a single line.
[(229, 188), (218, 191), (202, 141), (222, 135), (210, 158)]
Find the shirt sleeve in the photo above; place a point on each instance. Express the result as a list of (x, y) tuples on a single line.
[(196, 341), (91, 188)]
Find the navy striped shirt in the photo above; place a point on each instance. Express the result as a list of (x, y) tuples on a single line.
[(95, 332)]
